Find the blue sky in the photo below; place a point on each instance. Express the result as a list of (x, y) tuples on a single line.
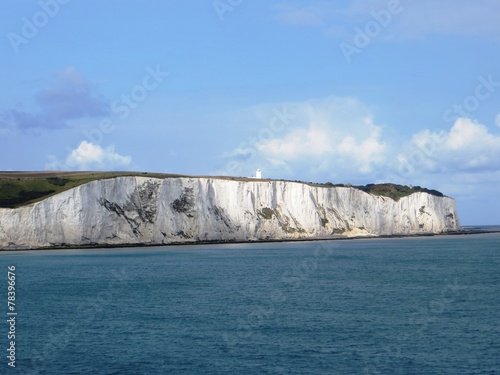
[(346, 91)]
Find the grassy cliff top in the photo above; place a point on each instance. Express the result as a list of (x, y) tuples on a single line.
[(396, 192), (21, 188)]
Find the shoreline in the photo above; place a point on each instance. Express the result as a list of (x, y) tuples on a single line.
[(222, 242)]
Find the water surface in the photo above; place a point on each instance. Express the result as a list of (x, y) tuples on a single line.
[(404, 306)]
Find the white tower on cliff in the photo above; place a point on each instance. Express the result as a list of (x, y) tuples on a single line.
[(258, 174)]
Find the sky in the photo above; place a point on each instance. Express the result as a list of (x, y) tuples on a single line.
[(347, 91)]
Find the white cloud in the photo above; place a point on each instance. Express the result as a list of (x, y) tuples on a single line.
[(334, 137), (451, 17), (416, 19), (312, 14), (337, 139), (301, 142), (497, 120), (89, 156), (367, 153), (467, 147)]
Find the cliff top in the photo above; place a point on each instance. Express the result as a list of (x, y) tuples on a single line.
[(22, 188)]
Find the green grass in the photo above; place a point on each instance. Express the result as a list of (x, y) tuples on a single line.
[(393, 191), (396, 192), (22, 188)]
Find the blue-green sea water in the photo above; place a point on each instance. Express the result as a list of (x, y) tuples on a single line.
[(426, 305)]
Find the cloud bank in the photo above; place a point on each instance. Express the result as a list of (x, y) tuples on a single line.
[(338, 139), (88, 156), (334, 134), (71, 97), (417, 19), (467, 147), (333, 137)]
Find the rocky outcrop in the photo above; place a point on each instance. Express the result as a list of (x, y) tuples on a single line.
[(141, 210)]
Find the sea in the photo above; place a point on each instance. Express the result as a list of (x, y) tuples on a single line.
[(417, 305)]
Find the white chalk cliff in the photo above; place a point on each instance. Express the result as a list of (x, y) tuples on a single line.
[(142, 210)]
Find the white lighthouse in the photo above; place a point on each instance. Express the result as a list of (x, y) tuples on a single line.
[(258, 174)]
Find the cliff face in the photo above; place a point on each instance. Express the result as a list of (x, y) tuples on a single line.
[(141, 210)]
